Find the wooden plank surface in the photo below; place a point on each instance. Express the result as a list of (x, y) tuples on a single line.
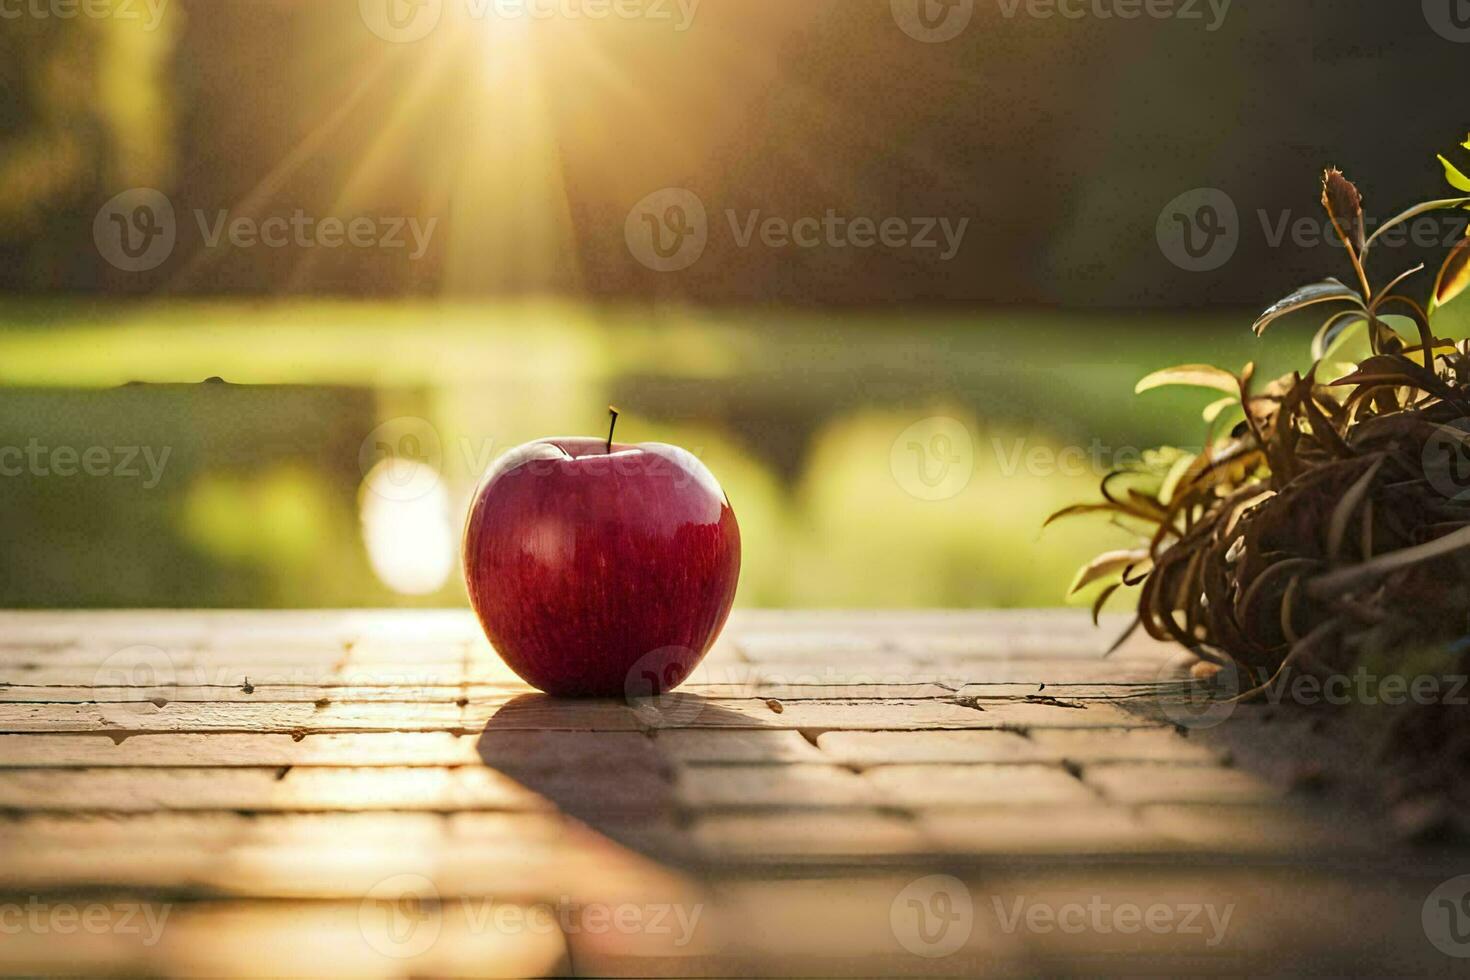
[(376, 794)]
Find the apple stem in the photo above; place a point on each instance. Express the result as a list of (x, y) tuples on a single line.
[(611, 428)]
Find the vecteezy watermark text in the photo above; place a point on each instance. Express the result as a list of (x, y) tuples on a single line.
[(301, 230), (833, 230), (935, 458), (669, 230), (41, 918), (402, 917), (1201, 230), (937, 21), (1101, 916), (137, 230), (934, 916), (1311, 231), (678, 12), (1097, 458), (673, 919), (150, 12), (1211, 13), (1365, 687), (1200, 705), (123, 462)]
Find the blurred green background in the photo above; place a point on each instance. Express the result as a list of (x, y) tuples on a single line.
[(803, 417), (892, 427)]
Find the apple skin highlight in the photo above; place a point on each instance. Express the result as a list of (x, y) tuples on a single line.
[(599, 569)]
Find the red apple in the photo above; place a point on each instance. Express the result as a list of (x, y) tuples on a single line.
[(599, 569)]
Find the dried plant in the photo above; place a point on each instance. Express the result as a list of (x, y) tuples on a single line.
[(1328, 519)]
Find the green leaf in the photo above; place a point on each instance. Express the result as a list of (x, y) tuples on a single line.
[(1214, 409), (1103, 566), (1328, 291), (1082, 510), (1191, 376), (1414, 212), (1176, 473), (1454, 276), (1336, 329), (1102, 600), (1398, 371), (1452, 174), (1162, 458)]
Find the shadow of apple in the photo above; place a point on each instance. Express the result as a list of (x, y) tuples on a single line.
[(603, 763)]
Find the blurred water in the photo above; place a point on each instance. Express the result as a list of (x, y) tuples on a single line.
[(872, 462)]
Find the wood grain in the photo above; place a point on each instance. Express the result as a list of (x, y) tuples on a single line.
[(307, 792)]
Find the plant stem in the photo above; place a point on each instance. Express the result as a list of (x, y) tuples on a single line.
[(1358, 267)]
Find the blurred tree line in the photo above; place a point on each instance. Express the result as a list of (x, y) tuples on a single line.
[(1059, 139), (86, 104)]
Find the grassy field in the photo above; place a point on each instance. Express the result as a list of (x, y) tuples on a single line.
[(802, 416)]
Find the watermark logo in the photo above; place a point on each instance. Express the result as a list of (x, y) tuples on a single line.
[(1450, 19), (1446, 460), (933, 916), (668, 230), (401, 21), (408, 456), (1199, 230), (1446, 917), (401, 916), (933, 459), (145, 674), (933, 21), (649, 688), (136, 231), (1194, 704)]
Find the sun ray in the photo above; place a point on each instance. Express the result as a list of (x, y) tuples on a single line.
[(370, 174), (510, 226), (267, 187)]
